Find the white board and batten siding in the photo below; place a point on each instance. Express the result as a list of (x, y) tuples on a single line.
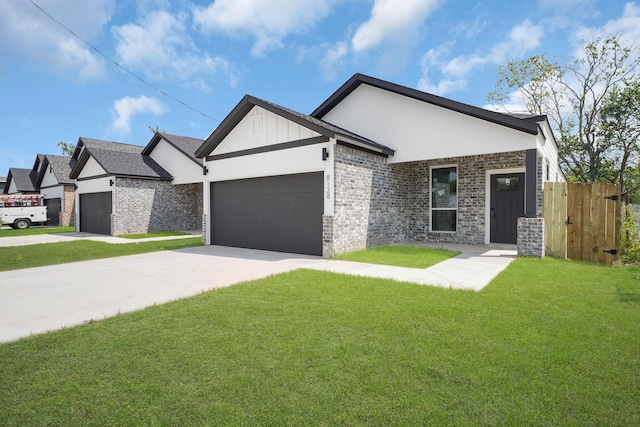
[(261, 128), (183, 169), (86, 183), (13, 189), (548, 149), (418, 130), (51, 188)]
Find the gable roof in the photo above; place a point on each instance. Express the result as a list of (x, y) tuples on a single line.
[(106, 145), (317, 125), (491, 116), (38, 162), (118, 159), (186, 145), (60, 166), (24, 180)]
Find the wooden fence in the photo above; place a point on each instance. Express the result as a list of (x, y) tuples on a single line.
[(582, 221)]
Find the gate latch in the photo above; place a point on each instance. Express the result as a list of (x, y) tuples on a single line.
[(568, 221), (614, 197), (611, 251)]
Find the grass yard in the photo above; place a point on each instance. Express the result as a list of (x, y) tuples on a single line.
[(10, 232), (548, 342), (401, 256), (156, 234), (16, 257)]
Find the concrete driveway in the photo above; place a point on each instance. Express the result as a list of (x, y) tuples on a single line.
[(39, 299)]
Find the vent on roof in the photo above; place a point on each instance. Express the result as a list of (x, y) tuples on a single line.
[(255, 125)]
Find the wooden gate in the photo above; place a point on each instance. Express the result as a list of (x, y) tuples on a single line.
[(582, 221)]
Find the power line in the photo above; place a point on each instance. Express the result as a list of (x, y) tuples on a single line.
[(117, 64)]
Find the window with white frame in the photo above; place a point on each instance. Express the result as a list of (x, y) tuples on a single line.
[(444, 199)]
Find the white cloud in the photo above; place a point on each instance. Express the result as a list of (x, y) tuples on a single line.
[(391, 19), (523, 38), (268, 21), (160, 46), (627, 27), (443, 87), (27, 33), (332, 59), (128, 107)]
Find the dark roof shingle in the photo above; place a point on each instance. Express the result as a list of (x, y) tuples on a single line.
[(117, 159)]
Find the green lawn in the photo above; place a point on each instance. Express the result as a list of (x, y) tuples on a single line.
[(156, 234), (548, 342), (15, 257), (9, 232), (402, 256)]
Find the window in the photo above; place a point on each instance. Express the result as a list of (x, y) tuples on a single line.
[(444, 199), (511, 183)]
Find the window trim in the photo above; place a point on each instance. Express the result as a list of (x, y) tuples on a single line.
[(431, 208)]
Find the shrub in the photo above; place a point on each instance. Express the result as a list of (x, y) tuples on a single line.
[(629, 237)]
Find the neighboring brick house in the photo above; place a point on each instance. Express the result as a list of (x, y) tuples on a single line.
[(376, 163), (21, 181), (122, 188), (58, 188)]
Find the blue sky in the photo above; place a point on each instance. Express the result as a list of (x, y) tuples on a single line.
[(208, 55)]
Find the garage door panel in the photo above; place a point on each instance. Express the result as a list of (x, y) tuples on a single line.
[(53, 211), (95, 212), (282, 213)]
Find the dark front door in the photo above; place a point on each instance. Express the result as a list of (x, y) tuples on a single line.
[(95, 212), (53, 211), (507, 205), (276, 213)]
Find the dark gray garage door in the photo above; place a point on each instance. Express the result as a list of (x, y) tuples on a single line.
[(53, 211), (278, 213), (95, 212)]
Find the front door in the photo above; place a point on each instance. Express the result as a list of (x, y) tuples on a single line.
[(507, 205)]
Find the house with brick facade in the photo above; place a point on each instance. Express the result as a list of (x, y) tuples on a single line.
[(375, 163), (126, 189), (58, 188)]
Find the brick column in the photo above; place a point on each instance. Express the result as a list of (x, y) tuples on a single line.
[(531, 237)]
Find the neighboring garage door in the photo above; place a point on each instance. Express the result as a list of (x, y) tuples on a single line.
[(95, 213), (53, 211), (278, 213)]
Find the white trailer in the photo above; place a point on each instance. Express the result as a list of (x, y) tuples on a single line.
[(22, 210)]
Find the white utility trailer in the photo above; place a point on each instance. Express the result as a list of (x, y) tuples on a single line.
[(22, 210)]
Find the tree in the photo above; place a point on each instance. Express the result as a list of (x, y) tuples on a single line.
[(620, 128), (66, 148), (155, 130), (571, 95)]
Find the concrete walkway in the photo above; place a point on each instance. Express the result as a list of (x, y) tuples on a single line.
[(472, 270), (39, 299), (35, 239)]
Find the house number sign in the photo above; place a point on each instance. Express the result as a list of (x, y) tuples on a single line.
[(328, 186)]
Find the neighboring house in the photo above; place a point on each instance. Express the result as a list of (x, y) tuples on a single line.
[(122, 189), (3, 181), (21, 181), (376, 163), (58, 188)]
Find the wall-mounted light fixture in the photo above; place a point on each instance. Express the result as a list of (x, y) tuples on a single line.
[(325, 153), (205, 170), (111, 183)]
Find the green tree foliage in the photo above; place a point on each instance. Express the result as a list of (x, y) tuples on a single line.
[(629, 237), (66, 148), (620, 128), (155, 129), (572, 95)]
